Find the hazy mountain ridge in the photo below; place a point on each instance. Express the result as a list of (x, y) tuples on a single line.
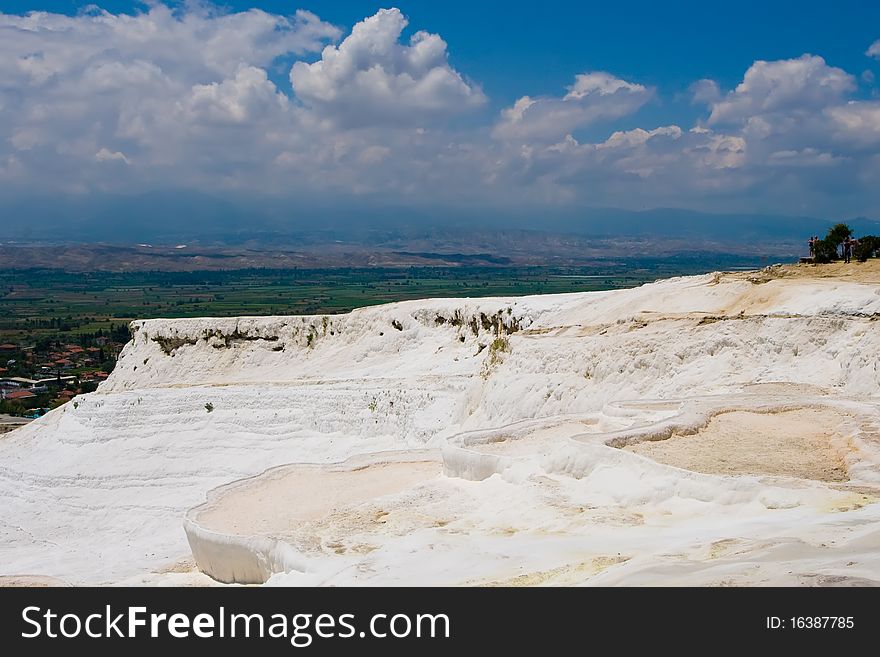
[(166, 217)]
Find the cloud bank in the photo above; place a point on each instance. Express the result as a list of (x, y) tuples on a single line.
[(197, 97)]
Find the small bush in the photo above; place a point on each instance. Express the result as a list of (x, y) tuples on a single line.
[(499, 345), (826, 251), (209, 407)]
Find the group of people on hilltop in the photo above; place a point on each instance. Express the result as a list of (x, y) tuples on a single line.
[(848, 246)]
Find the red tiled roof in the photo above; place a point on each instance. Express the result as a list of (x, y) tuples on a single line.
[(8, 346), (20, 394)]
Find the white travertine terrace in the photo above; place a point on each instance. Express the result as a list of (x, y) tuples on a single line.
[(474, 441)]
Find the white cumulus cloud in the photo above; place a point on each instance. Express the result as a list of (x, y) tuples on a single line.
[(240, 99), (105, 155), (592, 97), (783, 86), (371, 77), (856, 123), (705, 91), (638, 136)]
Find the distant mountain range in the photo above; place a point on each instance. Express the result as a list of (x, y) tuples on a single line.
[(172, 217)]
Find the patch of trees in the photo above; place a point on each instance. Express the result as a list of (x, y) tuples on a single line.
[(12, 407), (868, 247), (830, 248)]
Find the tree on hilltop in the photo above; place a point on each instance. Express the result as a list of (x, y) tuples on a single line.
[(838, 234), (826, 250)]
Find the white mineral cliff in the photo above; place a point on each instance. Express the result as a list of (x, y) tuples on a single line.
[(475, 441)]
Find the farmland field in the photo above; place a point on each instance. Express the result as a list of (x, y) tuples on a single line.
[(61, 305)]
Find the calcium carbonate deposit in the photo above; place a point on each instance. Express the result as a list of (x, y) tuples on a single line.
[(717, 429)]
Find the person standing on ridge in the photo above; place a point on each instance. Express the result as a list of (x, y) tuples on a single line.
[(848, 247)]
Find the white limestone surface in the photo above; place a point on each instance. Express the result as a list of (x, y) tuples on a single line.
[(529, 400)]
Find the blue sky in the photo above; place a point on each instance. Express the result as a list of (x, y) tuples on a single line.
[(756, 151), (668, 44)]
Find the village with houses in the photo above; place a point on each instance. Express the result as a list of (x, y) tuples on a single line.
[(35, 378)]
